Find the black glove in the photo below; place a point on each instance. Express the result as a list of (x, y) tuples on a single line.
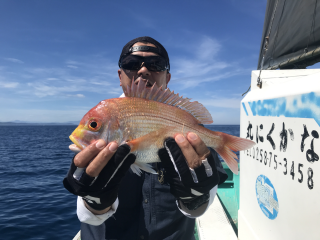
[(100, 192), (190, 186)]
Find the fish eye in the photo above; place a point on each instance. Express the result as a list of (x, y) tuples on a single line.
[(94, 125)]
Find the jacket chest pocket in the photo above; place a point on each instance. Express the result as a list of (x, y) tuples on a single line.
[(164, 200)]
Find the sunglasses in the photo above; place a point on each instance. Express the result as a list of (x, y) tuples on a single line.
[(152, 63)]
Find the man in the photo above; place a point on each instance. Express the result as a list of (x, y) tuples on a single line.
[(115, 203)]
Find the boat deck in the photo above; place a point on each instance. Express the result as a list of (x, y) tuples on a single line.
[(215, 224)]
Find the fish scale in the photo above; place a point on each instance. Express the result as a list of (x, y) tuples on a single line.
[(141, 125), (152, 110)]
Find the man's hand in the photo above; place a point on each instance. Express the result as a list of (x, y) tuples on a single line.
[(96, 172), (190, 169)]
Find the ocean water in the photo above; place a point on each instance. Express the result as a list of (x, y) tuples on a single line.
[(33, 202)]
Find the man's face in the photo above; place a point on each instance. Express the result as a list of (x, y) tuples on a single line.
[(143, 74)]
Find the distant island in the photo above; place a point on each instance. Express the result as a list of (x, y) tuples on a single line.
[(17, 122)]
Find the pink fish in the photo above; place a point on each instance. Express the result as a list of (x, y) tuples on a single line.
[(147, 116)]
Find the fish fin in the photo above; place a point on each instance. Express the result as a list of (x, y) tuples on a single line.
[(232, 143), (145, 167), (137, 167), (156, 93), (145, 141), (134, 167)]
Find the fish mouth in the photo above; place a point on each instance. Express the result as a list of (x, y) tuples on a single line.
[(76, 142)]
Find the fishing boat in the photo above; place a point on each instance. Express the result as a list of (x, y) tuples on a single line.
[(276, 195), (276, 192)]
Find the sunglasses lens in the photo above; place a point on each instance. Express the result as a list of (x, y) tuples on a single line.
[(154, 63), (131, 63)]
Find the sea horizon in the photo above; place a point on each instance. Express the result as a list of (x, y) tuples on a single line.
[(17, 122)]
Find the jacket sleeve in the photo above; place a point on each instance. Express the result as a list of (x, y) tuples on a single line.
[(202, 209), (85, 216)]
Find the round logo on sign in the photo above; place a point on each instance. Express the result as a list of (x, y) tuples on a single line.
[(267, 197)]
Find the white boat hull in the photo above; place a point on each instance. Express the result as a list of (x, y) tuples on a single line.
[(280, 175)]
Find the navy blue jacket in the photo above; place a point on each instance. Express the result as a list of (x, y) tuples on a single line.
[(147, 210)]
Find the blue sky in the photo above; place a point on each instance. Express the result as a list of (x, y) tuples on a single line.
[(58, 58)]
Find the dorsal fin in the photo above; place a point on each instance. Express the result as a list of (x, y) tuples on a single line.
[(166, 96)]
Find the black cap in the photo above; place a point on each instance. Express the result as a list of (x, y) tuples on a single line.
[(128, 49)]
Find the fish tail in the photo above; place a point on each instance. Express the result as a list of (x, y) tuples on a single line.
[(227, 144)]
